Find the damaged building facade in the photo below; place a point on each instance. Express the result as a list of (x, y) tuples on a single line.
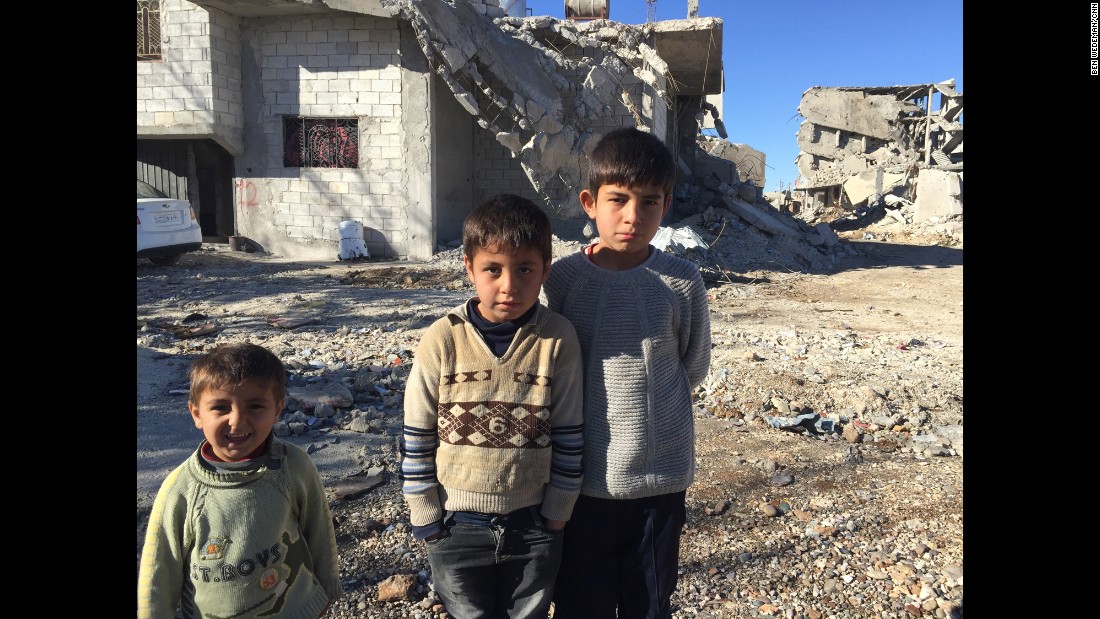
[(868, 147), (281, 119)]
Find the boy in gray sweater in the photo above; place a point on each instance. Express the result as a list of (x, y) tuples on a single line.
[(644, 327)]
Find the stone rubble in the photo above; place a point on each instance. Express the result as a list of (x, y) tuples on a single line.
[(804, 527)]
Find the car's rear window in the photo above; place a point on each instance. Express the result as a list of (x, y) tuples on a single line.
[(145, 190)]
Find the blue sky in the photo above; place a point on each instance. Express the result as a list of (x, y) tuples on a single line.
[(774, 50)]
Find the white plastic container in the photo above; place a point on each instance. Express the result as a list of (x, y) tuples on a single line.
[(351, 240)]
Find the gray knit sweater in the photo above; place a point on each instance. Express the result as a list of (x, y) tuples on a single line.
[(645, 338)]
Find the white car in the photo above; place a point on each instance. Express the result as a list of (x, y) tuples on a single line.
[(167, 227)]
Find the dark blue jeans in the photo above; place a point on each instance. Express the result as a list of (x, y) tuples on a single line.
[(502, 569), (620, 555)]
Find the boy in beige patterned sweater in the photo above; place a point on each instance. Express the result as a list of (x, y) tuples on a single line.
[(492, 439)]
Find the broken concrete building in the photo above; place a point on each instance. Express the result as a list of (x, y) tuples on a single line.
[(281, 119), (880, 146)]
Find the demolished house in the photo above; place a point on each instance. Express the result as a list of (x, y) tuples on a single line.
[(887, 148), (288, 123)]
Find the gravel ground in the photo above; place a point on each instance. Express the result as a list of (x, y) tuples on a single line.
[(829, 432)]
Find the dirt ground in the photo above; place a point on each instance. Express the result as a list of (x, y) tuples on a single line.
[(877, 339)]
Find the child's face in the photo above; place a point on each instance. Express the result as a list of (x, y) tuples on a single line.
[(236, 421), (627, 219), (507, 284)]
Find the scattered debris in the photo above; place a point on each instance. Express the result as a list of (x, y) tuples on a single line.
[(285, 322), (679, 240), (184, 333), (315, 397), (399, 587), (353, 486), (781, 479), (853, 455), (812, 424)]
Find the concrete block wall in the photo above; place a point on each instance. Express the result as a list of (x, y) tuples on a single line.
[(327, 67), (487, 7), (225, 74), (497, 171), (194, 89)]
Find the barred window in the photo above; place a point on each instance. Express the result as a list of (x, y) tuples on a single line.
[(148, 30), (320, 142)]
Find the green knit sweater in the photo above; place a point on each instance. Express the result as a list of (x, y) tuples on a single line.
[(489, 434), (237, 545)]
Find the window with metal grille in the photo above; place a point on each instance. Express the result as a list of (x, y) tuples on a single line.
[(148, 30), (320, 142)]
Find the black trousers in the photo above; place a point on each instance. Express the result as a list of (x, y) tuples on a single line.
[(620, 556)]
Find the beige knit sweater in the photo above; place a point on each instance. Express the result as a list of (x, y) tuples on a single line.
[(490, 434)]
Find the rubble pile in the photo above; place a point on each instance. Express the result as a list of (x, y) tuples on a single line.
[(829, 477)]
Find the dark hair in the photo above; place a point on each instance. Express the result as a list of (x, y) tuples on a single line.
[(508, 222), (631, 157), (230, 365)]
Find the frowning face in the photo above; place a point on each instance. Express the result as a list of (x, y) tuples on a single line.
[(507, 283), (627, 219)]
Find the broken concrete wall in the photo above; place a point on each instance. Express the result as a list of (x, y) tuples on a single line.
[(852, 136), (715, 169), (591, 100), (939, 195), (749, 165), (546, 91), (605, 77), (871, 185), (858, 112)]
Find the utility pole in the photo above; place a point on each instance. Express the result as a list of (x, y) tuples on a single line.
[(650, 11)]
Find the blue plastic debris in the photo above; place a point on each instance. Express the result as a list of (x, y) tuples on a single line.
[(806, 423)]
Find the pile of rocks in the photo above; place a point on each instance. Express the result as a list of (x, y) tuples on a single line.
[(789, 516)]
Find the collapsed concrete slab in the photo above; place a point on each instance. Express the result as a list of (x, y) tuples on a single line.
[(749, 164), (546, 88), (939, 194), (858, 144)]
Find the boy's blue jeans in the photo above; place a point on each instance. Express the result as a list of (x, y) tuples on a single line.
[(501, 569)]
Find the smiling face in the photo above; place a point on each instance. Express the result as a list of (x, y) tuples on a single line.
[(236, 420), (507, 283), (627, 219)]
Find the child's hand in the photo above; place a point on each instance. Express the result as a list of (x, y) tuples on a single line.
[(555, 525)]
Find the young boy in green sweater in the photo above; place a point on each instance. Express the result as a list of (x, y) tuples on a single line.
[(644, 326), (492, 438), (242, 528)]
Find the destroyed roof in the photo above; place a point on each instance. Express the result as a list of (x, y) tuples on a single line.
[(946, 87)]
